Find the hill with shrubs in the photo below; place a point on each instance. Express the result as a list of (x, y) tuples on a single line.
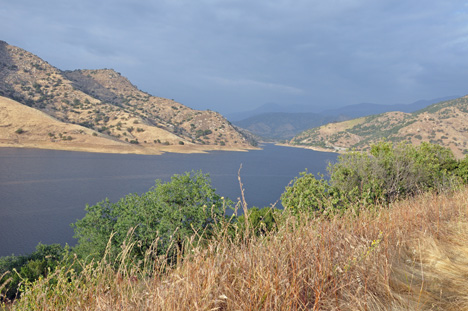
[(443, 123), (106, 103), (387, 230)]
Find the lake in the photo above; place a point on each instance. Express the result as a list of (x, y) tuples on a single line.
[(43, 191)]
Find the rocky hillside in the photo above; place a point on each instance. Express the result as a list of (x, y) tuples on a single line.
[(444, 123), (107, 103)]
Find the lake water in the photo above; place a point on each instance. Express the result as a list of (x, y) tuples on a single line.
[(43, 191)]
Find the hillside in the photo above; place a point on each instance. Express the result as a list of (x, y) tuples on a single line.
[(23, 126), (107, 103), (444, 123)]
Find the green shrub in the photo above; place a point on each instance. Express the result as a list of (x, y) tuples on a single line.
[(383, 175), (29, 267), (260, 221), (168, 214), (306, 194)]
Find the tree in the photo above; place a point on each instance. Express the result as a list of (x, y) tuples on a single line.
[(167, 215)]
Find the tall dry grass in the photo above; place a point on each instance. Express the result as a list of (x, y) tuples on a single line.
[(411, 256)]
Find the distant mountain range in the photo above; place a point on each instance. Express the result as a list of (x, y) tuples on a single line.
[(271, 122), (444, 123), (92, 108), (282, 125)]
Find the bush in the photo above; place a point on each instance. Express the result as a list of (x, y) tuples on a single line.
[(260, 221), (29, 267), (384, 175), (166, 215), (306, 194)]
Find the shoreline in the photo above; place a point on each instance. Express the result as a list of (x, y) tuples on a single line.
[(312, 148), (131, 149)]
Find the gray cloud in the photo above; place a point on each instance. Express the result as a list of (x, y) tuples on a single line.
[(231, 55)]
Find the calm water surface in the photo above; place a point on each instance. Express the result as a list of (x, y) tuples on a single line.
[(43, 191)]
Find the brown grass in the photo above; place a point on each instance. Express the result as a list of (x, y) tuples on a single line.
[(412, 256), (37, 125)]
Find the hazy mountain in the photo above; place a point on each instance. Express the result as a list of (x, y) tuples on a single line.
[(281, 125)]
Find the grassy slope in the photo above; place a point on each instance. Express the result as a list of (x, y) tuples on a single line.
[(412, 256), (37, 125)]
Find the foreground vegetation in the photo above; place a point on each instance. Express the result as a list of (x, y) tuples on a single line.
[(412, 256), (332, 248)]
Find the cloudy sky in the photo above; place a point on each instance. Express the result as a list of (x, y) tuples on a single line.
[(235, 55)]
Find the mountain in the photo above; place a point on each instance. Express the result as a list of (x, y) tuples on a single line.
[(444, 123), (281, 125), (111, 106)]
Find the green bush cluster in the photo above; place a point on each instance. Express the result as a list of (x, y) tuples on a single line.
[(387, 173), (14, 270), (169, 213), (260, 221)]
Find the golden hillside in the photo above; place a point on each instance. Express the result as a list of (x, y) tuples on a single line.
[(26, 127), (107, 103), (444, 123)]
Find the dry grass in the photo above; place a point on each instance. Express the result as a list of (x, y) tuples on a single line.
[(412, 256), (37, 125)]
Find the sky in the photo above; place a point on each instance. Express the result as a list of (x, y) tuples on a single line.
[(236, 55)]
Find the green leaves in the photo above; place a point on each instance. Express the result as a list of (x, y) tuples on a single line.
[(15, 270), (169, 213), (307, 194), (386, 174)]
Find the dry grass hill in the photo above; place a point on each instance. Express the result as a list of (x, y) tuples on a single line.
[(444, 123), (99, 108)]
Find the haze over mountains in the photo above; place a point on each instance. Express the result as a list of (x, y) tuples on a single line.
[(278, 122), (101, 105)]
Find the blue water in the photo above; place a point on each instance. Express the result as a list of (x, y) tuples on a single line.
[(43, 191)]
